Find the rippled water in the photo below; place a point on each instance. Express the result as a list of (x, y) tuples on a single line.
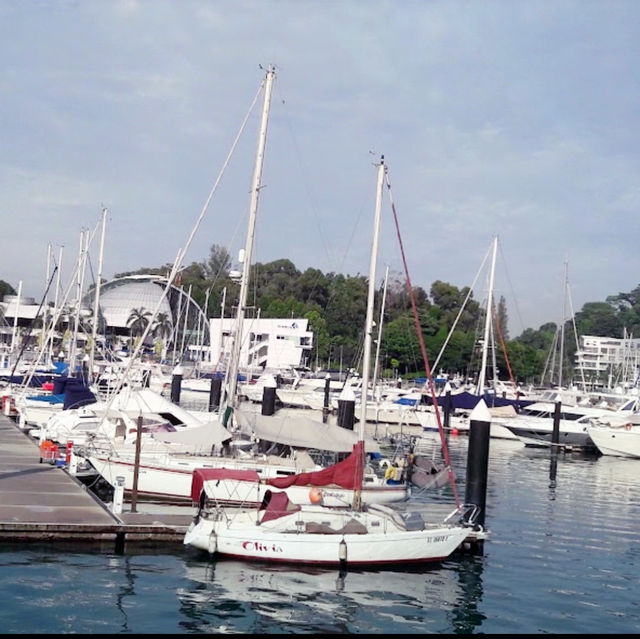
[(564, 557)]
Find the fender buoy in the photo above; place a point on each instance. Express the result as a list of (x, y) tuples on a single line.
[(390, 473), (213, 543), (454, 432), (315, 495), (627, 426)]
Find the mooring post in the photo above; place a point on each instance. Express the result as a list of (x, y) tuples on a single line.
[(347, 408), (269, 396), (478, 464), (555, 441), (325, 406), (118, 495), (447, 407), (176, 384), (136, 467), (120, 538), (215, 392)]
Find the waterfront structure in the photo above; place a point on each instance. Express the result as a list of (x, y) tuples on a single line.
[(273, 344), (609, 361)]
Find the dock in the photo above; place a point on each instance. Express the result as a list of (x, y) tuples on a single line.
[(40, 501), (43, 502)]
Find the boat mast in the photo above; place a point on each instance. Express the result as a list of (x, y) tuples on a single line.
[(487, 322), (374, 381), (248, 249), (366, 359), (564, 315), (96, 299)]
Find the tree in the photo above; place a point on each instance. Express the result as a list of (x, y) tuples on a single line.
[(6, 289), (218, 264), (138, 320), (502, 318), (598, 318), (162, 328)]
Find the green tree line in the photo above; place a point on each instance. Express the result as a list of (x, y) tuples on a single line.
[(335, 306)]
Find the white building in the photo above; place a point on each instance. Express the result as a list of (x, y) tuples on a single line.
[(609, 359), (266, 343)]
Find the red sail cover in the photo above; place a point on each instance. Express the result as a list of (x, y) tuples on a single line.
[(346, 474)]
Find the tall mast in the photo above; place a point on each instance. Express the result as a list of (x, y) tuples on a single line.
[(564, 315), (366, 358), (55, 305), (96, 300), (14, 332), (374, 381), (248, 249), (487, 322)]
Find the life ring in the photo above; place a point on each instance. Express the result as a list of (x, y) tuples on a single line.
[(384, 463), (390, 473)]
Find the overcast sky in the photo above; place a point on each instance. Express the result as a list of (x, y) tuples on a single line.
[(500, 118)]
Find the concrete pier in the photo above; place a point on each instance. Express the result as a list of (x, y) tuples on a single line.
[(41, 501)]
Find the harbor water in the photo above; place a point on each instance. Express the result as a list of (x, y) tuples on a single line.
[(563, 557)]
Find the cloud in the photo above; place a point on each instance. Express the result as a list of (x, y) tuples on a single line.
[(513, 119)]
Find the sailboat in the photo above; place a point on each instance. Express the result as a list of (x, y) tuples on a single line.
[(168, 475), (362, 534)]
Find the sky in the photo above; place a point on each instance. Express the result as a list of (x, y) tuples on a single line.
[(497, 118)]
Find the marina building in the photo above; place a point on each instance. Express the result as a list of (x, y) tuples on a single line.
[(609, 360), (266, 343)]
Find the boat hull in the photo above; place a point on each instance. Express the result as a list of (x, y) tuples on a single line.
[(288, 542), (174, 483), (617, 442)]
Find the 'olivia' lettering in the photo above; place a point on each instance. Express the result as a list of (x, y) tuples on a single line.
[(260, 547)]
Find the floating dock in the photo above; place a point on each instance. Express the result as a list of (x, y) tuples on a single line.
[(42, 501)]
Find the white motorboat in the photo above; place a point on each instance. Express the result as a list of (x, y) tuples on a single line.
[(534, 424), (616, 435)]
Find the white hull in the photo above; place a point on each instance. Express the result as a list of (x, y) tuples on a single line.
[(618, 442), (34, 413), (172, 481), (292, 538)]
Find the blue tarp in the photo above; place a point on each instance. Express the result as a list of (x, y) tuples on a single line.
[(468, 401)]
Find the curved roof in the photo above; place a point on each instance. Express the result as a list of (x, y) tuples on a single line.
[(119, 297)]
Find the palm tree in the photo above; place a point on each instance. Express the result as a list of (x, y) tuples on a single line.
[(138, 320), (163, 327)]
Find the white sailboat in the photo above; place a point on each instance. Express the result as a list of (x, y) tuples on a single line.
[(279, 531), (163, 474)]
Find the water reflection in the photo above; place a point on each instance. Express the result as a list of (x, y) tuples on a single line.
[(272, 598)]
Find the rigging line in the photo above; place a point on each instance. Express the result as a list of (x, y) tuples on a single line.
[(220, 174), (25, 338), (310, 195), (515, 299), (179, 257), (455, 323), (56, 317), (575, 334), (443, 440), (504, 349)]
